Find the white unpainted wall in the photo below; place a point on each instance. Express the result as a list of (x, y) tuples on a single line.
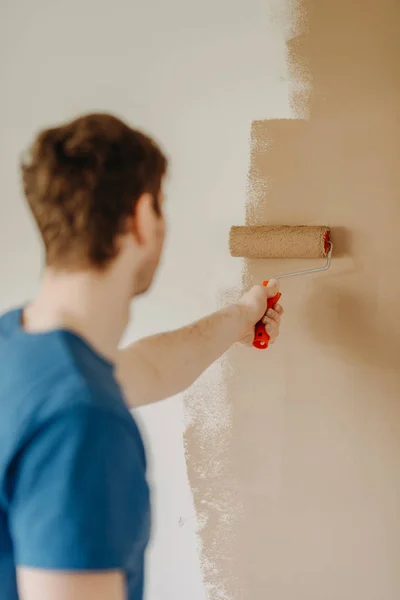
[(195, 75)]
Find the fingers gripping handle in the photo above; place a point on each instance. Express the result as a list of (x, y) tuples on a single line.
[(261, 337)]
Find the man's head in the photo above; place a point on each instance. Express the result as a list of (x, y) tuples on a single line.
[(94, 186)]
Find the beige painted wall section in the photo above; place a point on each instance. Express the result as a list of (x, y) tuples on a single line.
[(314, 453)]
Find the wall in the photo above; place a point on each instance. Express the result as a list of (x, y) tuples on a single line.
[(313, 451), (195, 75)]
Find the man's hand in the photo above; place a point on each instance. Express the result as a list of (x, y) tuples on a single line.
[(254, 303)]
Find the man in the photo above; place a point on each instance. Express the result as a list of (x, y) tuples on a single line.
[(74, 502)]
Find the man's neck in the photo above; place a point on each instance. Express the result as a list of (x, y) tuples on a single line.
[(93, 305)]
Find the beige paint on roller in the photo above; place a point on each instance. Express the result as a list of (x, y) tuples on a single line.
[(315, 446), (279, 241)]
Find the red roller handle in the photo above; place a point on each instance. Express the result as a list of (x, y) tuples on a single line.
[(261, 337)]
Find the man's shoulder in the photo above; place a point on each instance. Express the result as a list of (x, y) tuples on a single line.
[(42, 375), (9, 321)]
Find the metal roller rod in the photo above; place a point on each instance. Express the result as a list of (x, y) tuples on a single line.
[(309, 271)]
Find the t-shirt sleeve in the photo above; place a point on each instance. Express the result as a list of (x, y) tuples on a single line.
[(80, 497)]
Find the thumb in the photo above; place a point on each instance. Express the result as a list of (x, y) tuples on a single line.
[(272, 288)]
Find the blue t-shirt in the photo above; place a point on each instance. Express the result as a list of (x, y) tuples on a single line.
[(73, 490)]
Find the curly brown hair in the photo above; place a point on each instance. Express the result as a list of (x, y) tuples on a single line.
[(82, 181)]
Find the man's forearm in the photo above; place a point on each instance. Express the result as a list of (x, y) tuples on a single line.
[(162, 365)]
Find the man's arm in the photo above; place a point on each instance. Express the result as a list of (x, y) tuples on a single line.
[(38, 584), (163, 365)]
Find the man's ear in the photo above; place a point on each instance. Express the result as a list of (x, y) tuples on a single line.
[(143, 220)]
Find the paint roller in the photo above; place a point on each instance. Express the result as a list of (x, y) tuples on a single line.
[(269, 241)]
